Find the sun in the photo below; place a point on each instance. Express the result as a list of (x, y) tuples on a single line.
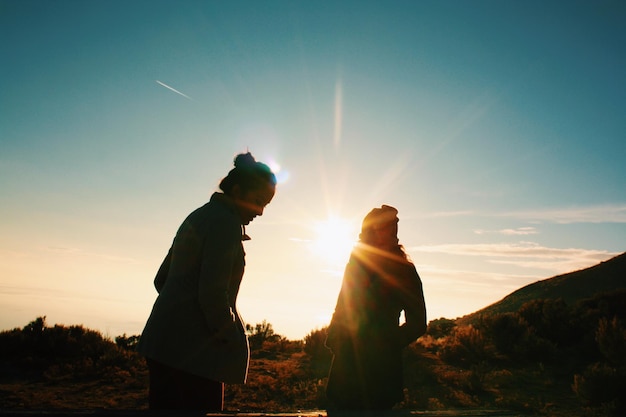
[(334, 239)]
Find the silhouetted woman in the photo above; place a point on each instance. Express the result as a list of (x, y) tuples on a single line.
[(194, 340), (365, 334)]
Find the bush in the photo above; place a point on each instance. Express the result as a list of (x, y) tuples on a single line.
[(439, 328), (127, 342), (319, 355), (465, 347), (601, 385), (550, 320), (611, 338), (507, 331), (261, 333), (65, 352)]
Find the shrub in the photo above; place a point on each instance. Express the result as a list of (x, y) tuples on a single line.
[(507, 332), (550, 320), (439, 328), (127, 342), (601, 385), (611, 338), (465, 346), (261, 333), (65, 352), (319, 355)]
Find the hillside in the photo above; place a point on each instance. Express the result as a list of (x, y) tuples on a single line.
[(545, 358), (574, 286), (531, 362)]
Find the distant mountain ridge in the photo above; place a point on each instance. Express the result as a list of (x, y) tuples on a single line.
[(606, 276)]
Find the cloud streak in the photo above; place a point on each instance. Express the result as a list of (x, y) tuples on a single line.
[(606, 213), (509, 232), (524, 254), (62, 251), (602, 213), (173, 89)]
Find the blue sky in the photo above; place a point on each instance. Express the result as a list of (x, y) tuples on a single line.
[(495, 127)]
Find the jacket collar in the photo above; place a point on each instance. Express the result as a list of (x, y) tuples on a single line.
[(228, 203)]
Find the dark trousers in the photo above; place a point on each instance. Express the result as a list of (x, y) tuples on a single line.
[(172, 389)]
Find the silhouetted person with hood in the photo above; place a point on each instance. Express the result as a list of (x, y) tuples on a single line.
[(365, 334), (194, 340)]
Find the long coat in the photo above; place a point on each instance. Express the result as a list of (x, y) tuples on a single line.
[(198, 284), (365, 334)]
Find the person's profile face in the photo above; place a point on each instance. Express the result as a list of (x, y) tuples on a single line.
[(251, 204), (386, 234)]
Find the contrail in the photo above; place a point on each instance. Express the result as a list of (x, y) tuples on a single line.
[(173, 89)]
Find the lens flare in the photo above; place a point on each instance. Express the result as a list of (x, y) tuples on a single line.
[(334, 239), (282, 175)]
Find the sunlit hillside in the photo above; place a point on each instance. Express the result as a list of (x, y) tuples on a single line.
[(606, 276), (552, 356)]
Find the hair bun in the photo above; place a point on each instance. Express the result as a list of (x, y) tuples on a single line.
[(244, 160)]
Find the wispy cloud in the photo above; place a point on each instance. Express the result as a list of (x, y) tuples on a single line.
[(509, 232), (58, 294), (524, 254), (460, 291), (458, 213), (173, 89), (62, 250), (601, 213), (606, 213), (36, 254), (438, 214), (299, 240), (453, 277), (79, 253)]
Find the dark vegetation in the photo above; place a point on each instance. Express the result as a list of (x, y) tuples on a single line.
[(571, 287), (550, 356)]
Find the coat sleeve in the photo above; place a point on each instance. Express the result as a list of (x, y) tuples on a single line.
[(414, 308), (220, 249)]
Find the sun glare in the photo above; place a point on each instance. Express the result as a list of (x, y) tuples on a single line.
[(281, 175), (334, 239)]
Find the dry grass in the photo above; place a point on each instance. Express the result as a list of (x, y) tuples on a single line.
[(458, 369)]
